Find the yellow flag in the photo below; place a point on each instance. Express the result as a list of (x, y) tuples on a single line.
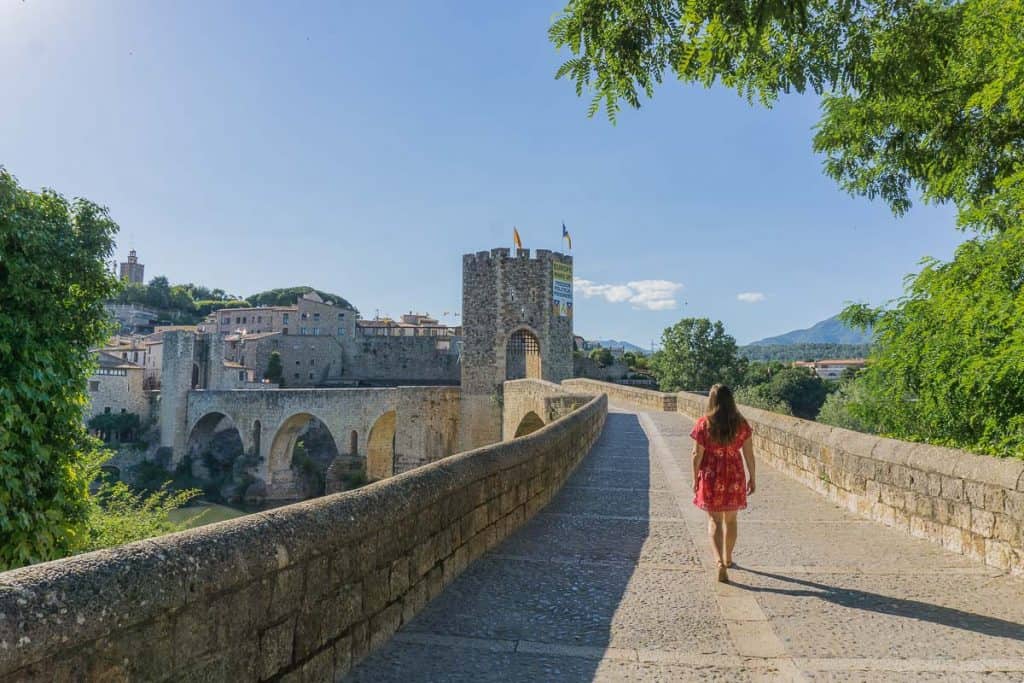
[(515, 238)]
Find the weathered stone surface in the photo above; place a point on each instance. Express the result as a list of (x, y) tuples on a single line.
[(291, 593)]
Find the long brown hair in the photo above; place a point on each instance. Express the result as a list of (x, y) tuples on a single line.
[(724, 420)]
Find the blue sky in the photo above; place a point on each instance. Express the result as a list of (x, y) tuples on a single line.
[(361, 148)]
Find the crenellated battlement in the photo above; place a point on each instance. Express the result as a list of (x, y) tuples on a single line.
[(500, 254)]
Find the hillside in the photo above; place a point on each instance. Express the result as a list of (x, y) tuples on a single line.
[(831, 331), (624, 345)]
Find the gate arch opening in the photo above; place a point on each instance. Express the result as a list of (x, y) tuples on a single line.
[(380, 448), (530, 423), (300, 454), (522, 356)]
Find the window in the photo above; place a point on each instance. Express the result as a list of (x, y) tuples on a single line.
[(244, 320), (94, 385), (296, 375), (311, 375), (302, 330), (259, 318), (241, 375), (312, 361), (316, 331), (316, 317), (226, 320), (123, 411), (303, 315), (341, 331), (284, 330), (297, 362), (106, 410), (341, 316), (284, 318)]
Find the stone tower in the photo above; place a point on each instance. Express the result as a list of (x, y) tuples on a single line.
[(517, 322), (179, 374)]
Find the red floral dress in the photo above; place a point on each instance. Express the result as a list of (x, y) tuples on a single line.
[(721, 479)]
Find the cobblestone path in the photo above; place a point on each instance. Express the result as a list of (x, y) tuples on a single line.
[(613, 581)]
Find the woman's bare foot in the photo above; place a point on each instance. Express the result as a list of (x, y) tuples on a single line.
[(728, 564), (723, 575)]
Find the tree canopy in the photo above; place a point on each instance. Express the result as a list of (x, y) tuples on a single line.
[(53, 282), (918, 95), (286, 296), (695, 355), (949, 360)]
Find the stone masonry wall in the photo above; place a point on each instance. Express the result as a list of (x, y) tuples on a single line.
[(549, 401), (297, 593), (642, 398), (970, 504)]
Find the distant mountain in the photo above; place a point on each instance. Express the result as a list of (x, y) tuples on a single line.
[(624, 345), (831, 331)]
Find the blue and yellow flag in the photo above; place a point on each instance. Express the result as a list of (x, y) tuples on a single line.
[(566, 236), (515, 238)]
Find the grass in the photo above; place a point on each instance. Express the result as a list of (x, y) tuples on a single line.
[(203, 513)]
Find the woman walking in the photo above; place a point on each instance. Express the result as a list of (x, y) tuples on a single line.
[(719, 483)]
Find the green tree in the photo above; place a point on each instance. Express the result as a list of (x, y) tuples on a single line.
[(275, 370), (603, 357), (924, 95), (629, 358), (948, 364), (800, 389), (696, 354), (53, 256)]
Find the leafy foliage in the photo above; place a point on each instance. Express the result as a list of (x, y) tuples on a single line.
[(838, 409), (783, 389), (921, 95), (119, 515), (275, 370), (948, 366), (114, 425), (603, 357), (53, 282), (177, 303), (288, 295), (792, 352), (696, 354)]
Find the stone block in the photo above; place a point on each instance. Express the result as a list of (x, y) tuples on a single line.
[(276, 648), (319, 668), (435, 582), (1006, 528), (953, 489), (287, 592), (982, 522), (342, 650), (376, 587), (360, 640), (399, 578), (414, 600), (384, 624)]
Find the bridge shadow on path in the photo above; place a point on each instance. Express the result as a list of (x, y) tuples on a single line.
[(884, 604), (543, 604)]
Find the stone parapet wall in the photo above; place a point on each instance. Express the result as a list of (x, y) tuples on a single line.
[(970, 504), (549, 401), (640, 398), (297, 593)]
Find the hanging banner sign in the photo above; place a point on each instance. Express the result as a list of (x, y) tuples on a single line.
[(561, 289)]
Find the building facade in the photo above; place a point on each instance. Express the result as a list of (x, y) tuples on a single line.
[(831, 369)]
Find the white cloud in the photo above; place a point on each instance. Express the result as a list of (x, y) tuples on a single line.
[(653, 295), (750, 297)]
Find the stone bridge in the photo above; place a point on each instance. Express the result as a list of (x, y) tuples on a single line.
[(394, 429), (569, 553)]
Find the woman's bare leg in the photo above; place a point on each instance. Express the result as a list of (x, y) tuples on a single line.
[(732, 528), (717, 535)]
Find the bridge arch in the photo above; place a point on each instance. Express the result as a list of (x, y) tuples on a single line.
[(282, 481), (530, 423), (203, 431), (522, 354), (380, 447)]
